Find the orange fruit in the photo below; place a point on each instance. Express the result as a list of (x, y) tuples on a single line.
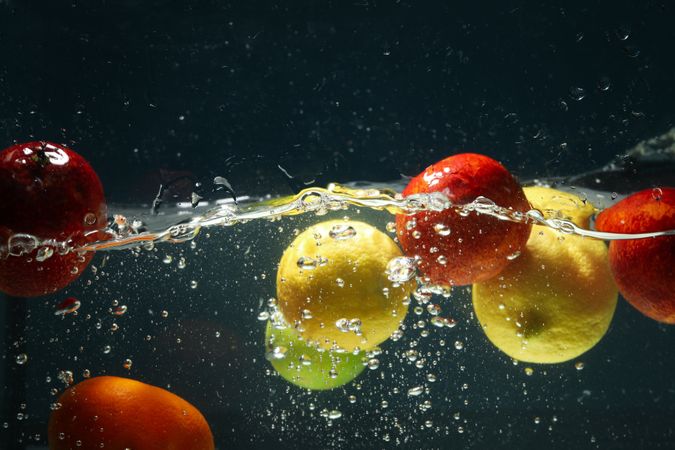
[(119, 413)]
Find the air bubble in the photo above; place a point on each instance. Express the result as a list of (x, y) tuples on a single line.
[(442, 229), (341, 232), (577, 93), (401, 269), (277, 353), (415, 391), (307, 263), (334, 414), (119, 310)]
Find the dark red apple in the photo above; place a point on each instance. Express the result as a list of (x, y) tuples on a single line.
[(644, 269), (458, 250), (50, 193)]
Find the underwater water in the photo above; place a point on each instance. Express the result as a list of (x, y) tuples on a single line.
[(306, 113)]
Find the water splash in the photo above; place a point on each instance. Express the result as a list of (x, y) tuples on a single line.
[(319, 201)]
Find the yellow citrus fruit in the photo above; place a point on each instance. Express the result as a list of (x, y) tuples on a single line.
[(332, 286), (556, 300), (306, 365)]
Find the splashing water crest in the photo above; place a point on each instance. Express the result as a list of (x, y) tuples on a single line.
[(312, 200)]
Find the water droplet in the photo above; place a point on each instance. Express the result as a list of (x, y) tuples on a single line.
[(415, 391), (66, 377), (20, 244), (277, 353), (168, 259), (433, 309), (194, 284), (579, 365), (396, 335), (442, 260), (69, 305), (340, 282), (657, 194), (342, 325), (44, 253), (164, 314), (391, 227), (119, 310), (411, 355), (604, 84), (577, 93), (401, 269), (90, 219), (513, 255), (459, 345), (307, 263), (373, 363), (341, 232), (442, 229), (622, 33), (21, 358), (306, 314), (334, 414), (182, 263), (529, 371), (127, 364), (263, 316)]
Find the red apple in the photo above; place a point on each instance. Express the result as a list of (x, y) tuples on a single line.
[(457, 250), (644, 269), (49, 192)]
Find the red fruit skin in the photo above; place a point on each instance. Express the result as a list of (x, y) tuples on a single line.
[(644, 268), (50, 192), (478, 245)]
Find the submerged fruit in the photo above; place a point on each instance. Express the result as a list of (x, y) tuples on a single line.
[(50, 195), (308, 366), (458, 250), (557, 299), (644, 269), (332, 286), (119, 413)]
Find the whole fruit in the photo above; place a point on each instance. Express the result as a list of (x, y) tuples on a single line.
[(307, 366), (49, 193), (333, 287), (454, 249), (644, 269), (119, 413), (557, 299)]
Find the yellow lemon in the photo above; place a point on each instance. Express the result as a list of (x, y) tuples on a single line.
[(556, 300), (307, 366), (332, 286)]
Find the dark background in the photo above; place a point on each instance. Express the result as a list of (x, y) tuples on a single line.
[(332, 91)]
